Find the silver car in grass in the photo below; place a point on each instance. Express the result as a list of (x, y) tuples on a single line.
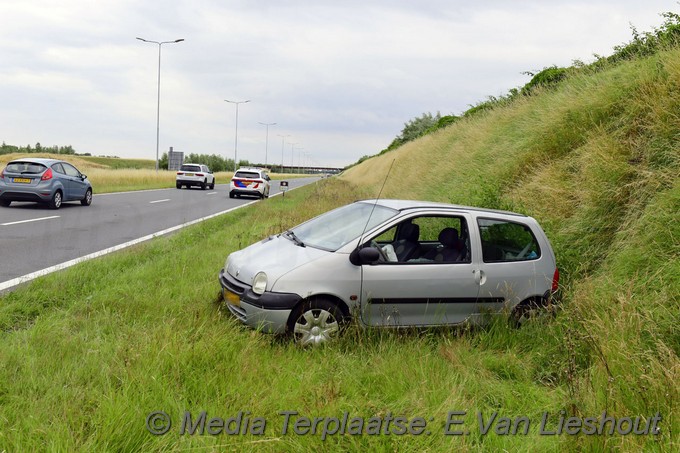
[(391, 263), (48, 181)]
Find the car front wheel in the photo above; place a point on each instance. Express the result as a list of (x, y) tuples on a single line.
[(87, 201), (315, 322), (5, 203)]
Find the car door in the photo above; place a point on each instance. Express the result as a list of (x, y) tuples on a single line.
[(75, 184), (421, 291)]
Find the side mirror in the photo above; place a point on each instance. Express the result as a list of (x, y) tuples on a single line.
[(366, 255), (83, 177)]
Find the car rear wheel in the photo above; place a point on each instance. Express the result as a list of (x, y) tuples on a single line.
[(231, 194), (55, 203), (212, 185), (178, 185), (87, 201), (315, 322), (530, 310), (204, 184)]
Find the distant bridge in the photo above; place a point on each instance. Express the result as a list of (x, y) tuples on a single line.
[(306, 170)]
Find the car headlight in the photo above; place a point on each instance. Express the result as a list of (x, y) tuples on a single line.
[(260, 283)]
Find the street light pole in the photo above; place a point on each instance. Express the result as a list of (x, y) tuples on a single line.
[(292, 156), (266, 142), (236, 131), (300, 160), (283, 139), (158, 103)]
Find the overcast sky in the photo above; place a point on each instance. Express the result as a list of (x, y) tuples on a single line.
[(340, 77)]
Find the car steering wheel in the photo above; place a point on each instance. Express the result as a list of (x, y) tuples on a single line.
[(383, 255)]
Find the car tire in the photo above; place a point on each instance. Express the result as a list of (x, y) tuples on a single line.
[(87, 201), (57, 199), (529, 310), (179, 186), (212, 185), (315, 322), (204, 184), (5, 203), (231, 194)]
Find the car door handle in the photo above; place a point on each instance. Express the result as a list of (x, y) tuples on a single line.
[(480, 276)]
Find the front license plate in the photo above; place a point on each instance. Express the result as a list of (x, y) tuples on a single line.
[(22, 180), (189, 174), (232, 298)]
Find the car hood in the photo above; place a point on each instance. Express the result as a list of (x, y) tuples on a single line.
[(276, 256)]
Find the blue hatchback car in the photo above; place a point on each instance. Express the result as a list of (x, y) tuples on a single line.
[(48, 181)]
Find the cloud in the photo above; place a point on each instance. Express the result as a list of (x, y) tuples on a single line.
[(340, 77)]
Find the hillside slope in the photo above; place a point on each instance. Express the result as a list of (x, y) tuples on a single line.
[(595, 160)]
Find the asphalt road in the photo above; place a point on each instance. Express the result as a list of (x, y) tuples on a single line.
[(33, 237)]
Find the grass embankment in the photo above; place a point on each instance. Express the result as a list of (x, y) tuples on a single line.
[(121, 175), (88, 353)]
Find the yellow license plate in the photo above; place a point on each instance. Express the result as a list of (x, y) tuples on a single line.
[(189, 174), (232, 298), (23, 180)]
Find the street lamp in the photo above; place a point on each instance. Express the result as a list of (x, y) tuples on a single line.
[(266, 142), (236, 133), (158, 109), (292, 156), (283, 139)]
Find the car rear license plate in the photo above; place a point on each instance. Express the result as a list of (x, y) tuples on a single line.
[(232, 298), (22, 180), (188, 174)]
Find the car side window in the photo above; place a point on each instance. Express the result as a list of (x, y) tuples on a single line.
[(58, 168), (70, 170), (426, 240), (504, 241)]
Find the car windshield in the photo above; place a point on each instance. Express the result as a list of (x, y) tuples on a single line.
[(25, 168), (190, 168), (336, 228)]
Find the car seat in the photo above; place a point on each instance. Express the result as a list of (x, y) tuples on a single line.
[(407, 244), (451, 250)]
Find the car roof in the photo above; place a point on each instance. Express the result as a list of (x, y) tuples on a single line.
[(36, 160), (190, 163), (403, 205)]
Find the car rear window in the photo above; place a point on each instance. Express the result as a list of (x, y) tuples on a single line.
[(25, 168), (190, 168), (247, 175)]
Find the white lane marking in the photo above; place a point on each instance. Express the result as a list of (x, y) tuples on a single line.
[(33, 275), (29, 220), (160, 201), (211, 193)]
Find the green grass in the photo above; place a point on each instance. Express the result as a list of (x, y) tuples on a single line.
[(119, 163), (86, 354)]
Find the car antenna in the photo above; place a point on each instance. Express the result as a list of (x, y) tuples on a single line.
[(376, 201)]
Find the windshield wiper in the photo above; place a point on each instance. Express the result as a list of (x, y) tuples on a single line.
[(290, 235)]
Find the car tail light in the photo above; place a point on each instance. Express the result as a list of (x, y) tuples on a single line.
[(200, 174), (179, 173), (556, 280), (47, 175)]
